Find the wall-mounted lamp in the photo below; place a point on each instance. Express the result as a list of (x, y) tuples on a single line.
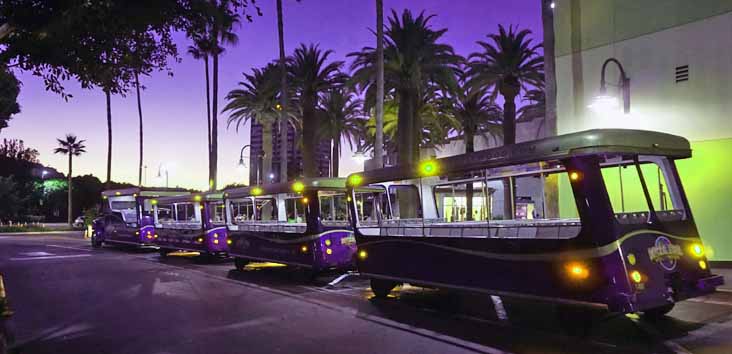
[(605, 102)]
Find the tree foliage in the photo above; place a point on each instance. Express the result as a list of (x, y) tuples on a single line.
[(15, 149), (9, 91)]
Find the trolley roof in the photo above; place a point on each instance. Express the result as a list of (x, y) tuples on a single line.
[(589, 142), (145, 191), (320, 183), (197, 197)]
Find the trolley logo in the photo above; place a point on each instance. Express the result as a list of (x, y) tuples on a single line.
[(348, 240), (665, 253)]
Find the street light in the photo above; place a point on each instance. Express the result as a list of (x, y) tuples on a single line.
[(243, 165), (605, 102), (160, 175), (360, 156), (43, 174)]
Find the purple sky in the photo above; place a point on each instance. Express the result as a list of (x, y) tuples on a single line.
[(174, 108)]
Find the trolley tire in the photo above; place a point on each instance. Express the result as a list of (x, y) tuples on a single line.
[(95, 242), (657, 313), (163, 252), (382, 288), (240, 263)]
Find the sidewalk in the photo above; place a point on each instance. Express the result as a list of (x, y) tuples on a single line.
[(727, 273)]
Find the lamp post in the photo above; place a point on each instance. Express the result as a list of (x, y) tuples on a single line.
[(160, 175), (360, 156), (605, 101)]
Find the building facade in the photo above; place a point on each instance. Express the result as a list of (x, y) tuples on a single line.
[(678, 56), (294, 156)]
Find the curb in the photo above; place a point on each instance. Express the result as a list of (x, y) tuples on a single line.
[(80, 232)]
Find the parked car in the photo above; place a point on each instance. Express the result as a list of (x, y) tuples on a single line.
[(6, 335), (79, 222)]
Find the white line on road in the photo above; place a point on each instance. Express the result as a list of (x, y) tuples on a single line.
[(70, 248), (49, 257)]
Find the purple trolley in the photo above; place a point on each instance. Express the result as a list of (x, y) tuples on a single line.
[(597, 217), (192, 223), (303, 224), (127, 216)]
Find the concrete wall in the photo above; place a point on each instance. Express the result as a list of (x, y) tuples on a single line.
[(651, 38)]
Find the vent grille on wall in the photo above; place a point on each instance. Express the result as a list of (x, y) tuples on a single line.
[(682, 73)]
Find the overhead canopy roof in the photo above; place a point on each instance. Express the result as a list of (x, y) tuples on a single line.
[(589, 142), (145, 192), (197, 197), (321, 184)]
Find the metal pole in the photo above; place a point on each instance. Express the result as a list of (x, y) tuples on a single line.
[(379, 138)]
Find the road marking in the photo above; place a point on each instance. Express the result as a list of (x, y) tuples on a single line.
[(70, 248), (36, 254), (49, 257)]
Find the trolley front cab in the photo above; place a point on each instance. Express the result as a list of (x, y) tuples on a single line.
[(595, 217), (303, 224), (127, 216), (191, 223)]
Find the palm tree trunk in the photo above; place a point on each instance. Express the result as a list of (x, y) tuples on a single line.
[(469, 147), (405, 128), (139, 112), (208, 113), (266, 168), (379, 138), (283, 93), (309, 138), (551, 188), (70, 217), (550, 81), (509, 137), (335, 156), (109, 137), (214, 125)]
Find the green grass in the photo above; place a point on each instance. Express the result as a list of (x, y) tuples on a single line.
[(30, 228)]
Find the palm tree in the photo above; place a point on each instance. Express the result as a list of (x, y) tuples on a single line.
[(224, 19), (379, 138), (535, 108), (477, 113), (509, 64), (139, 112), (72, 147), (340, 118), (257, 100), (413, 60), (201, 49), (312, 75), (284, 97)]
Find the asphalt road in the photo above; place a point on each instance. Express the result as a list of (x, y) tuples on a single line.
[(69, 298)]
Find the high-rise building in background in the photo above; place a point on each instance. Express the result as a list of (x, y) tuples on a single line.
[(294, 156)]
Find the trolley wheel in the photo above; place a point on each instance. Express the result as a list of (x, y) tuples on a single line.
[(163, 252), (96, 242), (382, 288), (240, 263), (657, 313)]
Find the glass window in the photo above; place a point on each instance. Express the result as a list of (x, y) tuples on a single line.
[(625, 190), (333, 206), (216, 210), (368, 205), (266, 209), (242, 210), (404, 202), (165, 213), (295, 210), (185, 212), (463, 201)]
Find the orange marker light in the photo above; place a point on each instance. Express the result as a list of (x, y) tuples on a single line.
[(636, 276), (362, 254), (304, 249), (329, 251), (574, 175), (577, 271)]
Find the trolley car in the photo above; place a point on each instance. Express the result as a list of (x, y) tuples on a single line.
[(303, 224), (191, 223), (127, 216), (596, 217)]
